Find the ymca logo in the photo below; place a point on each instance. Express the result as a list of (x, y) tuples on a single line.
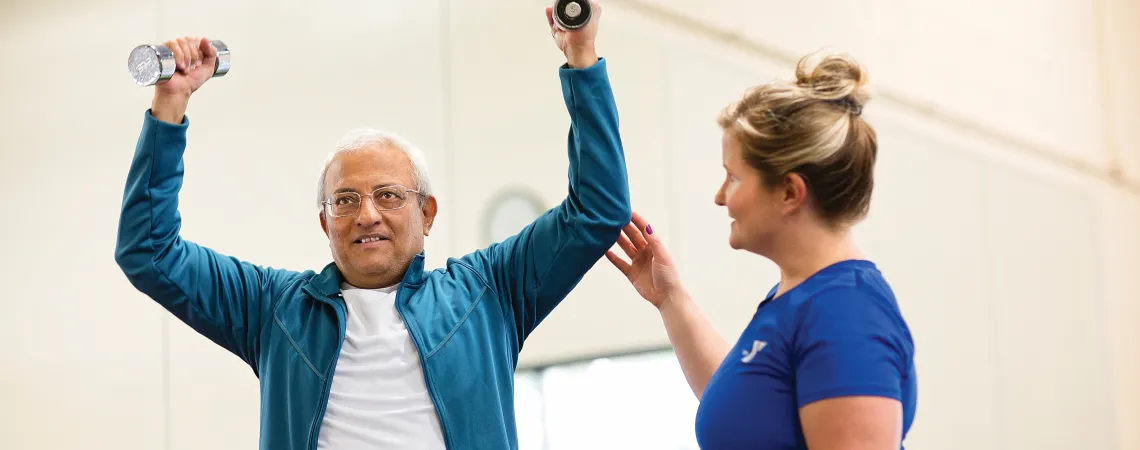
[(756, 347)]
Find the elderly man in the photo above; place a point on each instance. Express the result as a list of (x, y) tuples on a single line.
[(374, 351)]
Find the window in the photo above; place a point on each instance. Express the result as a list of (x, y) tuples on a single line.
[(621, 402)]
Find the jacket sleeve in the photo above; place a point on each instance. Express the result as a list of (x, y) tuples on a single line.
[(224, 299), (535, 269)]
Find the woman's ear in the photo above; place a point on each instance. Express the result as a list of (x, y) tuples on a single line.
[(795, 191)]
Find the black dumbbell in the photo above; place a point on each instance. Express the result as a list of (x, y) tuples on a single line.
[(571, 14)]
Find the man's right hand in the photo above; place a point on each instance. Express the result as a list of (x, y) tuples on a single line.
[(194, 59)]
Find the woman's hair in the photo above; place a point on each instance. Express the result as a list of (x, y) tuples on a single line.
[(812, 127)]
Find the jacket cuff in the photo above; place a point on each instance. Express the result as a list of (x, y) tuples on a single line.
[(150, 121), (594, 72)]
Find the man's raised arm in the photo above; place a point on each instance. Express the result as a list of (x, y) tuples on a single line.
[(535, 269), (220, 297)]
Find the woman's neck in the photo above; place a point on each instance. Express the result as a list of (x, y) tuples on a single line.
[(810, 249)]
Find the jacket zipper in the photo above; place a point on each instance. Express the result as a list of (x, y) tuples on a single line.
[(427, 379), (314, 431)]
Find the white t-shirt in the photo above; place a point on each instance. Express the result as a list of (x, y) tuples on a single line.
[(378, 397)]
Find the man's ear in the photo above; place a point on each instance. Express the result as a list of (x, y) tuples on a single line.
[(429, 209), (324, 224)]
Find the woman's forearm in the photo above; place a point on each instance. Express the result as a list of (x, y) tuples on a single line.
[(699, 347)]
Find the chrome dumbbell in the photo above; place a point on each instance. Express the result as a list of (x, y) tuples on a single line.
[(571, 14), (154, 64)]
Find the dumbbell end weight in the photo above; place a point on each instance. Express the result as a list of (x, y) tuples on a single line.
[(572, 14), (154, 64)]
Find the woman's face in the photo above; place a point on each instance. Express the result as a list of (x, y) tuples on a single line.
[(758, 213)]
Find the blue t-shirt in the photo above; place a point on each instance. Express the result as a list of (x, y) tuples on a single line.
[(839, 333)]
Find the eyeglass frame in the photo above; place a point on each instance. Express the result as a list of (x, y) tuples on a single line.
[(327, 203)]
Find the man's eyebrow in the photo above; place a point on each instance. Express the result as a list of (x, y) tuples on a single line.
[(374, 187)]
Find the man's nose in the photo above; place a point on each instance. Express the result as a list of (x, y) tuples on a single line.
[(368, 216)]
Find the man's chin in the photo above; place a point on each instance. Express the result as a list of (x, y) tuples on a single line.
[(368, 262), (371, 268), (366, 275)]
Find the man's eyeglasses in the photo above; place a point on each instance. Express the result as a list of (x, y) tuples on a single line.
[(385, 199)]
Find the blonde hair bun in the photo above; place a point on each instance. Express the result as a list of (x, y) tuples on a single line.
[(834, 77)]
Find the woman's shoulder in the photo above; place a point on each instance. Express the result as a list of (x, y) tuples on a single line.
[(856, 296), (849, 282)]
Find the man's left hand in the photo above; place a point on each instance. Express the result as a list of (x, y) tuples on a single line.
[(578, 44)]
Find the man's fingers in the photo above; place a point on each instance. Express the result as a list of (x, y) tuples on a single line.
[(618, 262), (179, 55), (194, 43), (207, 48), (187, 54), (173, 46)]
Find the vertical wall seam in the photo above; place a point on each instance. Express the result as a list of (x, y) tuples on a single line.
[(990, 299), (669, 147), (1104, 326), (168, 407), (448, 99), (1103, 65)]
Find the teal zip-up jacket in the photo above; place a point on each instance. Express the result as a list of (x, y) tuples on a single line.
[(467, 320)]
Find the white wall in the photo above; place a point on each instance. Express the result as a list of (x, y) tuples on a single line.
[(1006, 212)]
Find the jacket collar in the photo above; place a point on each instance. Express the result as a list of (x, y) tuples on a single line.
[(326, 284)]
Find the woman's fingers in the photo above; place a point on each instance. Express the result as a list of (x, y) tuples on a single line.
[(635, 236), (618, 262), (642, 224), (627, 246)]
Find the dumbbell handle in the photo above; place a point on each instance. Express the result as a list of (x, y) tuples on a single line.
[(152, 64)]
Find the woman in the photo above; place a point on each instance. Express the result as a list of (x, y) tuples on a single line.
[(827, 361)]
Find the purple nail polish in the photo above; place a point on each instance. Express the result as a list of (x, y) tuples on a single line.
[(649, 229)]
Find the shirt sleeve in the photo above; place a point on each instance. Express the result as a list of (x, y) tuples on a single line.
[(850, 342)]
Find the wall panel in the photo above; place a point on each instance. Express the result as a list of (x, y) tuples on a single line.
[(1119, 31), (82, 352), (1045, 283), (1120, 244)]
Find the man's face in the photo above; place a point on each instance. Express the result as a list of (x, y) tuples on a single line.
[(373, 246)]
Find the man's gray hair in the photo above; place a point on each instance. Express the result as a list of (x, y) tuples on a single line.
[(363, 138)]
